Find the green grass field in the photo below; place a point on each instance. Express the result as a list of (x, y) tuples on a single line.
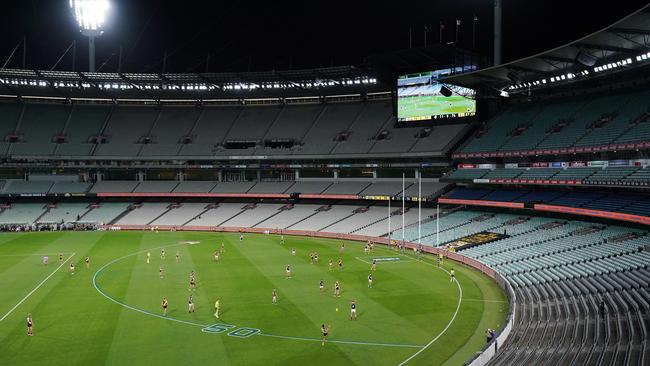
[(417, 106), (110, 313)]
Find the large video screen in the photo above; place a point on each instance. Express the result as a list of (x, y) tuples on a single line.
[(419, 97)]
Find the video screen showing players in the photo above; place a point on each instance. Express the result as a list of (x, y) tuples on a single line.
[(420, 97)]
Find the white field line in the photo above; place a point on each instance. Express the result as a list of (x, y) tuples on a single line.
[(484, 300), (460, 299), (36, 288)]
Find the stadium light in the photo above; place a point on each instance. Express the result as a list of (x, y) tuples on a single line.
[(90, 16)]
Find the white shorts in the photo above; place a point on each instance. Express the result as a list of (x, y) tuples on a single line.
[(353, 312)]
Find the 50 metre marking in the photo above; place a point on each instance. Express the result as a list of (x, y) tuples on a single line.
[(244, 332)]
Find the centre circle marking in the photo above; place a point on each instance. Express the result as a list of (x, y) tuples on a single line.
[(244, 332)]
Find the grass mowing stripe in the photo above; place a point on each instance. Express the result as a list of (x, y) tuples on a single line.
[(98, 272), (342, 342), (460, 299), (31, 255), (36, 288), (129, 306)]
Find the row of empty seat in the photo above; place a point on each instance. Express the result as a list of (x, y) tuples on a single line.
[(627, 176), (636, 204), (351, 128), (366, 220), (582, 293), (596, 120), (357, 187)]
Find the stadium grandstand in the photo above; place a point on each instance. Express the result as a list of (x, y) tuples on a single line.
[(476, 213)]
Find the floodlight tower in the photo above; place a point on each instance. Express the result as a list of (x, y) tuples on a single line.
[(498, 8), (90, 16)]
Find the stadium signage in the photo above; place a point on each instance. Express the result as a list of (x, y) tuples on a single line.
[(595, 213), (474, 240), (569, 150), (481, 203), (466, 166)]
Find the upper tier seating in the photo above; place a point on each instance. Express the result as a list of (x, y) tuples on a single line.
[(195, 186), (342, 128), (31, 187), (310, 187), (39, 125), (232, 187), (427, 189), (114, 186), (467, 174), (70, 187), (155, 186), (584, 121), (615, 175)]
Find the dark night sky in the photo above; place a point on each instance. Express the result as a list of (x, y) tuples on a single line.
[(288, 34)]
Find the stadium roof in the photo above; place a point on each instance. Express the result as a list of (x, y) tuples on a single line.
[(196, 87), (614, 47)]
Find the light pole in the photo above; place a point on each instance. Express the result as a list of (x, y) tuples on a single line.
[(90, 16), (498, 8)]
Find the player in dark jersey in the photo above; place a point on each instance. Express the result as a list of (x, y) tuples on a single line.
[(373, 267), (321, 286), (87, 261), (452, 275), (161, 272), (274, 296), (340, 263), (178, 256), (30, 325), (353, 310), (192, 282), (370, 280), (190, 304), (337, 289), (71, 268), (325, 330), (288, 271), (60, 258), (165, 305), (330, 264)]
